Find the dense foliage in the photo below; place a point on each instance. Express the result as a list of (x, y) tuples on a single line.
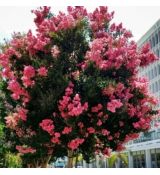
[(74, 86)]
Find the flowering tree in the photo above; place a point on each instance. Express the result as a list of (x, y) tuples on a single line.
[(74, 86)]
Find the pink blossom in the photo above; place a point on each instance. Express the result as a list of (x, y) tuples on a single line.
[(25, 149), (100, 114), (55, 140), (107, 152), (113, 105), (27, 81), (69, 107), (41, 13), (105, 132), (15, 88), (12, 52), (47, 125), (120, 148), (29, 71), (131, 137), (7, 73), (91, 130), (146, 55), (36, 43), (110, 137), (77, 12), (13, 85), (67, 130), (136, 125), (4, 60), (18, 42), (99, 17), (99, 123), (96, 108), (74, 144), (22, 113), (57, 134), (12, 121), (66, 22), (42, 71)]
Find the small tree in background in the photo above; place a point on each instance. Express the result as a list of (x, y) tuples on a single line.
[(73, 87)]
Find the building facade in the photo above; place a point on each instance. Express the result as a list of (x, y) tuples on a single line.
[(145, 151)]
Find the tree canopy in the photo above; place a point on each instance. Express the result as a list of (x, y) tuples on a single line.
[(73, 87)]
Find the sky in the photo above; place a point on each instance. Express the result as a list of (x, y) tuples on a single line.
[(138, 19)]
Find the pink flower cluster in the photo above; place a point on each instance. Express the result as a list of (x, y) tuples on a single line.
[(91, 130), (67, 130), (54, 24), (131, 137), (140, 83), (41, 14), (36, 43), (114, 104), (42, 71), (106, 56), (69, 107), (47, 125), (146, 56), (28, 74), (17, 91), (55, 139), (22, 113), (99, 18), (15, 88), (96, 108), (77, 12), (12, 121), (74, 144), (107, 152), (25, 150)]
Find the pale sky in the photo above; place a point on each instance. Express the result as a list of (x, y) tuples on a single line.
[(138, 19)]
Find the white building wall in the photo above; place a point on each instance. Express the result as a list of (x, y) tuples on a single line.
[(153, 73)]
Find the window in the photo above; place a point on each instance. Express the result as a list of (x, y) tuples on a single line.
[(157, 53), (152, 74), (150, 88), (155, 158), (153, 41), (159, 69), (156, 87), (159, 34), (155, 71), (156, 38), (153, 88), (150, 41), (139, 159)]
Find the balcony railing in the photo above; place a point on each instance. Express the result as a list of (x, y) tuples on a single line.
[(153, 136)]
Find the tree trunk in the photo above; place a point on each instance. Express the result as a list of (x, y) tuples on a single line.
[(76, 161), (41, 163), (70, 159), (45, 163)]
